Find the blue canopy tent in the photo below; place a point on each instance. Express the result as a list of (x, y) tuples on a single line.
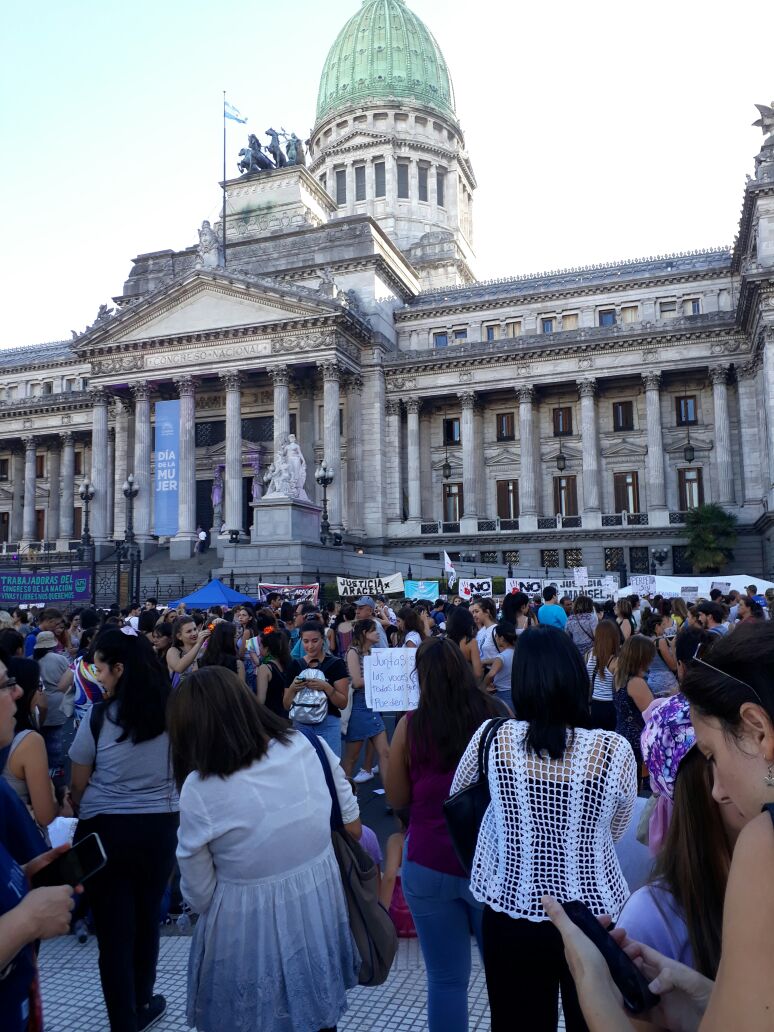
[(213, 593)]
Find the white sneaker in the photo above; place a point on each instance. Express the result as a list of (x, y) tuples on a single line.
[(375, 770), (363, 776)]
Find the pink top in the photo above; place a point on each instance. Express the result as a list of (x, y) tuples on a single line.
[(428, 841)]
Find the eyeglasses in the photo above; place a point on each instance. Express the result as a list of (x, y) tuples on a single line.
[(9, 685), (717, 670)]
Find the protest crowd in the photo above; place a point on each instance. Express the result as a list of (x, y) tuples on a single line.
[(535, 750)]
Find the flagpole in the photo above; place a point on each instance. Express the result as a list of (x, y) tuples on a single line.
[(223, 216)]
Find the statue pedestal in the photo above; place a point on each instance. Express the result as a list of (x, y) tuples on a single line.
[(278, 520), (275, 201)]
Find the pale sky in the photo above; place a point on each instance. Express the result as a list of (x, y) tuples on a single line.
[(597, 131)]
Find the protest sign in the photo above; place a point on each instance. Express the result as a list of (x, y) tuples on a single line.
[(643, 585), (529, 587), (292, 592), (581, 576), (72, 586), (481, 586), (610, 585), (690, 593), (568, 588), (421, 589), (355, 587), (391, 683), (723, 586)]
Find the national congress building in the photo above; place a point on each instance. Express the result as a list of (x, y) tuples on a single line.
[(557, 420)]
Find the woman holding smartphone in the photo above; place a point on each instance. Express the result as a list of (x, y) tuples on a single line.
[(334, 683)]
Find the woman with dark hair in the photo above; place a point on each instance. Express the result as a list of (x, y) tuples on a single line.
[(424, 753), (411, 627), (517, 610), (631, 694), (731, 693), (271, 679), (161, 639), (272, 948), (122, 789), (581, 624), (749, 610), (601, 664), (325, 675), (624, 618), (183, 654), (484, 613), (221, 649), (364, 723), (26, 769), (561, 796), (461, 629), (247, 629), (340, 634), (499, 677), (662, 671)]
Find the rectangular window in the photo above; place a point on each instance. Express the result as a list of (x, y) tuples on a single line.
[(403, 179), (512, 556), (40, 466), (451, 431), (440, 188), (614, 558), (626, 490), (380, 180), (629, 313), (639, 561), (508, 499), (691, 488), (692, 306), (565, 496), (78, 464), (686, 410), (668, 309), (570, 322), (492, 332), (324, 181), (505, 426), (607, 317), (488, 557), (3, 469), (423, 172), (341, 186), (292, 423), (452, 503), (549, 557), (547, 325), (573, 557), (513, 329), (460, 334), (360, 191), (681, 564), (623, 415), (440, 340), (562, 421)]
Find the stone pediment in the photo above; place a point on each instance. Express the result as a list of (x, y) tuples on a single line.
[(356, 137), (503, 456), (699, 444), (624, 448), (213, 303)]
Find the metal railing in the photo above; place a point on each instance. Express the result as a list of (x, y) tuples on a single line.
[(677, 518), (625, 519)]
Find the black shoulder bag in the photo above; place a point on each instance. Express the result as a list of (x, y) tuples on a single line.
[(464, 811)]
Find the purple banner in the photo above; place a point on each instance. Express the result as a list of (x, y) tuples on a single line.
[(69, 586)]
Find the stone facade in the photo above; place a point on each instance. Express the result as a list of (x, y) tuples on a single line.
[(562, 419)]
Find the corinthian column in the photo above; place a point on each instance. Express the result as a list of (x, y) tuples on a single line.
[(142, 462), (110, 487), (467, 428), (121, 469), (413, 408), (655, 463), (528, 478), (29, 530), (394, 460), (589, 445), (99, 464), (332, 438), (281, 380), (719, 376), (17, 503), (66, 511), (183, 544), (354, 455), (234, 518), (54, 486)]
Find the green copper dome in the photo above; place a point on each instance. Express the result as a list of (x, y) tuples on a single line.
[(385, 52)]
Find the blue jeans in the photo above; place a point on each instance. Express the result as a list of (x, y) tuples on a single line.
[(445, 915), (330, 731)]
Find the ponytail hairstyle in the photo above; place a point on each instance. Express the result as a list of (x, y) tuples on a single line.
[(276, 644), (506, 630)]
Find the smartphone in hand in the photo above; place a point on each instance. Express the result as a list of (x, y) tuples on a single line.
[(74, 866), (630, 981)]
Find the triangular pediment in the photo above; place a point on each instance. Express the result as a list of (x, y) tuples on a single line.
[(624, 448), (503, 456), (207, 302), (355, 137)]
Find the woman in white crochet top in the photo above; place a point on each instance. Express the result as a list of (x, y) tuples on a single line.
[(562, 795)]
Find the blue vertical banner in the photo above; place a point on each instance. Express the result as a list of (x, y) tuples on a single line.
[(167, 461)]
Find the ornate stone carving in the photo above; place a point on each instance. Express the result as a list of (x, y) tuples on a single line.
[(185, 385), (280, 376), (98, 396), (525, 393), (231, 379), (414, 405), (466, 376), (29, 442), (141, 391), (719, 374), (467, 399), (392, 407), (587, 388), (355, 384), (585, 362), (330, 370), (652, 381), (66, 437), (116, 364)]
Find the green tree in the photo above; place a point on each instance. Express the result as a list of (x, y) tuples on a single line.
[(711, 537)]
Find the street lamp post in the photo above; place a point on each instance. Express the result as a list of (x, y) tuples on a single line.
[(657, 555), (86, 493), (131, 490), (324, 477)]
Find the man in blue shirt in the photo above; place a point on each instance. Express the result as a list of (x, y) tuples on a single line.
[(49, 620), (551, 613)]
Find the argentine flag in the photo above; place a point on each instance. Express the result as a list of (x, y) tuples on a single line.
[(229, 111)]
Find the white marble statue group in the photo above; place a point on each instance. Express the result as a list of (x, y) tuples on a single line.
[(286, 476)]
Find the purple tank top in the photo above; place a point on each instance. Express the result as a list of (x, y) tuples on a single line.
[(429, 843)]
